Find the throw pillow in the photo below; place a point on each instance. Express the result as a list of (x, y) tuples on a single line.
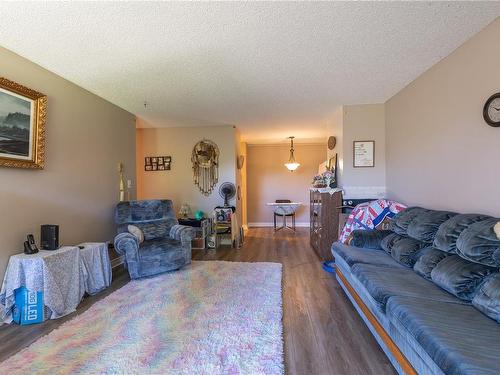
[(496, 228), (487, 299), (136, 232), (427, 260), (460, 277)]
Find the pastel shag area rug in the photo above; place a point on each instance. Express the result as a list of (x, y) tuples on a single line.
[(211, 317)]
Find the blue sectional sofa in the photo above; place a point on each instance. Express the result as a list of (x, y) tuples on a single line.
[(428, 290)]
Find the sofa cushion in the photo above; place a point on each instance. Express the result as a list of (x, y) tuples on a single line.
[(403, 219), (383, 283), (352, 255), (479, 243), (428, 259), (368, 239), (425, 224), (447, 234), (460, 277), (388, 242), (458, 338), (487, 299), (405, 250)]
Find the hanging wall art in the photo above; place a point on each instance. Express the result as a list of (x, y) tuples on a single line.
[(205, 158)]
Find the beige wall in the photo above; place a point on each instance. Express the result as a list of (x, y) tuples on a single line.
[(268, 179), (86, 138), (335, 127), (241, 182), (440, 152), (364, 122), (177, 184)]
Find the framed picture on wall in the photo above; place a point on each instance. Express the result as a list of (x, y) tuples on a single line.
[(22, 126), (157, 163), (363, 154)]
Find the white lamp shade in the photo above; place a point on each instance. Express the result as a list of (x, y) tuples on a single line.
[(292, 166)]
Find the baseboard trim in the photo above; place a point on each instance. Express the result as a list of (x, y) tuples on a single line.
[(270, 225), (393, 348)]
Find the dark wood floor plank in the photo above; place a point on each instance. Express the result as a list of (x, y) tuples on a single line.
[(323, 333)]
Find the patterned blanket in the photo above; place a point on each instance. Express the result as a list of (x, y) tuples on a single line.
[(370, 215)]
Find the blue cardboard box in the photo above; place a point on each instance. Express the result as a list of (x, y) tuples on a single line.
[(28, 307)]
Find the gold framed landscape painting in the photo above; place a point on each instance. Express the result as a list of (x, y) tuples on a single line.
[(22, 126)]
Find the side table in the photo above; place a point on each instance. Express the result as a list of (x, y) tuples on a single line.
[(56, 273), (96, 266), (201, 230)]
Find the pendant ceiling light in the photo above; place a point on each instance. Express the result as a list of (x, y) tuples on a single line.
[(291, 164)]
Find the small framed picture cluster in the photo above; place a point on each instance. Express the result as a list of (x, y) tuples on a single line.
[(157, 163)]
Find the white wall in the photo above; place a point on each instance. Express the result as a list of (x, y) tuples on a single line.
[(177, 184), (440, 152)]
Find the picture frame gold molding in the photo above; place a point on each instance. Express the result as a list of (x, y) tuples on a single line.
[(37, 160)]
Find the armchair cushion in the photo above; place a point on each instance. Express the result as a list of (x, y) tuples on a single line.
[(182, 233), (156, 229)]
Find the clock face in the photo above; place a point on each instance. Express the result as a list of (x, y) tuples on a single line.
[(491, 110)]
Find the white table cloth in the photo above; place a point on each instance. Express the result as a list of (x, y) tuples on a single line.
[(96, 266), (285, 208), (56, 273)]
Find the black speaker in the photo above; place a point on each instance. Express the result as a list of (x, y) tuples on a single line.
[(49, 238)]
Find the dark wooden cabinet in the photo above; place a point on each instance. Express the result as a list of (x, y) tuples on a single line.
[(324, 222)]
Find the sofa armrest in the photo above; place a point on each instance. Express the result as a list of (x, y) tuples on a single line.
[(368, 239), (182, 233), (127, 244)]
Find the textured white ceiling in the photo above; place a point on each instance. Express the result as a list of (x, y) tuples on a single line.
[(273, 69)]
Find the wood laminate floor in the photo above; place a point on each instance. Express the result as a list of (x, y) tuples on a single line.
[(323, 334)]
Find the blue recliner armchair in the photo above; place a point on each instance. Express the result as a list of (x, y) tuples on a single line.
[(166, 246)]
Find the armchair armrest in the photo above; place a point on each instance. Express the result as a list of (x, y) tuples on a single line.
[(182, 233), (368, 239), (127, 244)]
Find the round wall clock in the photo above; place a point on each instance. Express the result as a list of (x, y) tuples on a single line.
[(491, 111), (332, 141)]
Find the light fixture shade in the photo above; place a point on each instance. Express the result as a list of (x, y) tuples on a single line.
[(291, 165)]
